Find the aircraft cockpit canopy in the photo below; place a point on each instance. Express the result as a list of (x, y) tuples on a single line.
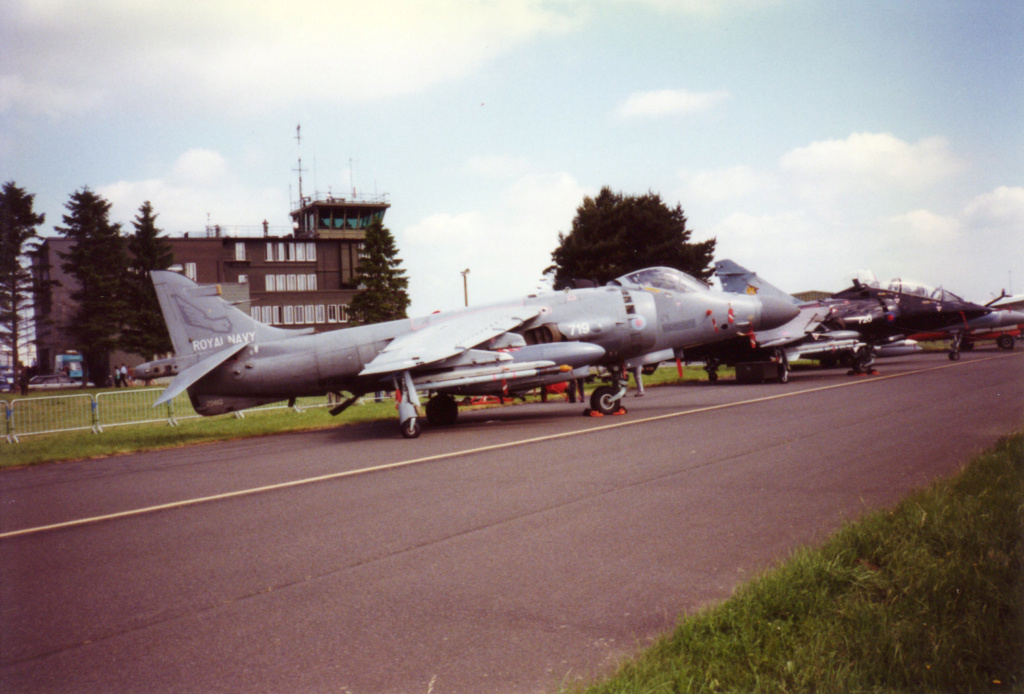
[(922, 290), (665, 278)]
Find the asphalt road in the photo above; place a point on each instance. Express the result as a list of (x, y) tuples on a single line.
[(522, 549)]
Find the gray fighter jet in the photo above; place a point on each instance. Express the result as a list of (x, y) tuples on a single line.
[(227, 361)]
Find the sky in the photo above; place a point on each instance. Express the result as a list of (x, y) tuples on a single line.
[(813, 140)]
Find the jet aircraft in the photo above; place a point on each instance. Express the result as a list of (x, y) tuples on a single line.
[(905, 309), (804, 337), (227, 361), (1002, 325), (861, 322)]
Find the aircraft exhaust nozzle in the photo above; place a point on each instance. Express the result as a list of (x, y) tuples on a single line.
[(776, 312)]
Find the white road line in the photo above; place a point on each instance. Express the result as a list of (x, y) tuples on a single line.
[(454, 454)]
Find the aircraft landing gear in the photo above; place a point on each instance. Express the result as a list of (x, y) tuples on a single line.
[(1005, 342), (408, 407), (783, 362), (863, 360), (954, 349), (606, 400), (711, 366)]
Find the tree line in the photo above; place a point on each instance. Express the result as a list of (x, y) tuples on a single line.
[(115, 304)]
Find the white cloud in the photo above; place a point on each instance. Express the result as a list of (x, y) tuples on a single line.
[(506, 246), (873, 163), (735, 184), (668, 102), (866, 201), (244, 55), (200, 187), (921, 228), (1003, 209)]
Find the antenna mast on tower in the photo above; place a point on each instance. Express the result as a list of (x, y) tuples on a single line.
[(298, 140)]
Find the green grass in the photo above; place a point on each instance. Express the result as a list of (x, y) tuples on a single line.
[(928, 597), (45, 448), (78, 445)]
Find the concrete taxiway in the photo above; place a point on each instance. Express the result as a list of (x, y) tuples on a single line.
[(519, 550)]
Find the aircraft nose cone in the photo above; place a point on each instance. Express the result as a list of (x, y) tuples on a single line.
[(776, 312)]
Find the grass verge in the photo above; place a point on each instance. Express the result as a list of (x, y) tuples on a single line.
[(47, 448), (928, 597)]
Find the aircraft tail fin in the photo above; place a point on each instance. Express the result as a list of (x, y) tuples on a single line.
[(738, 280), (201, 322)]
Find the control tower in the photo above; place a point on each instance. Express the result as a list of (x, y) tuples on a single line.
[(337, 218)]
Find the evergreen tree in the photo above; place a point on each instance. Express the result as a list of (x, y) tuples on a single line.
[(145, 332), (613, 235), (384, 296), (18, 224), (97, 260)]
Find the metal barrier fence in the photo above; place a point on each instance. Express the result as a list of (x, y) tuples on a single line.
[(61, 413)]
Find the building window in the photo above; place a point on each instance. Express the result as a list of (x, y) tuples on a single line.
[(239, 250), (271, 285), (310, 251), (300, 315), (311, 282), (291, 283), (309, 313), (270, 250), (320, 316), (280, 283), (190, 271), (276, 316), (243, 279), (282, 251), (332, 313), (289, 315), (301, 283), (343, 313), (300, 252)]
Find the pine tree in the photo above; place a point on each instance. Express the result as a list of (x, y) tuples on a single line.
[(385, 287), (613, 235), (145, 332), (97, 260), (18, 224)]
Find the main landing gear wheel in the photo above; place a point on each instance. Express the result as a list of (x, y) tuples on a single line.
[(411, 428), (442, 410), (954, 356), (604, 400), (1005, 341)]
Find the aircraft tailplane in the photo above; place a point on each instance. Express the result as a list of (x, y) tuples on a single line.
[(736, 279), (201, 322)]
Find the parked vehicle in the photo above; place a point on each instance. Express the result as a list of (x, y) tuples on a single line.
[(6, 381), (59, 380)]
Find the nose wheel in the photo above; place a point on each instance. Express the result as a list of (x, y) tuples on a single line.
[(408, 407), (411, 428), (607, 399)]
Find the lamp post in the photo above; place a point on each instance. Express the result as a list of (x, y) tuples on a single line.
[(465, 286)]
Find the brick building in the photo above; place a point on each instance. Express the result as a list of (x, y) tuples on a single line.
[(304, 279)]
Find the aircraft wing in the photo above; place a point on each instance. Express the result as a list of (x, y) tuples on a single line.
[(447, 338), (799, 328)]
